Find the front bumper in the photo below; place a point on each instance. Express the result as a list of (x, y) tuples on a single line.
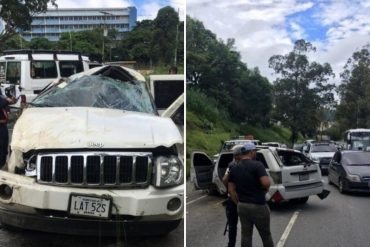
[(78, 226), (357, 186), (139, 205)]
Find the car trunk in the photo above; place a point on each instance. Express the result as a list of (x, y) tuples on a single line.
[(297, 171)]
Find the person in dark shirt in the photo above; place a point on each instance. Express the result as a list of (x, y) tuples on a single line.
[(231, 210), (248, 184), (4, 138)]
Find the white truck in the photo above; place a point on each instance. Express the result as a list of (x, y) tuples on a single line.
[(91, 155), (293, 176), (27, 72)]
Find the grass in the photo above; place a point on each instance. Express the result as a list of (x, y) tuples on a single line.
[(206, 136)]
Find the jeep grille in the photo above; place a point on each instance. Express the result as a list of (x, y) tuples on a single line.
[(96, 169)]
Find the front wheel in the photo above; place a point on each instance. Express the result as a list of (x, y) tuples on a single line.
[(329, 181), (341, 186)]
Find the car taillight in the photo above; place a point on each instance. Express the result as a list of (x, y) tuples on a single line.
[(277, 197), (276, 177)]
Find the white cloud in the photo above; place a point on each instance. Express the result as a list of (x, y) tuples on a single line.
[(261, 30)]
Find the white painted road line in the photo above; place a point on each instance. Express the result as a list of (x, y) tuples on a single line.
[(195, 200), (289, 227)]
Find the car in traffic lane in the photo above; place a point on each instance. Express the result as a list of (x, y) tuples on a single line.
[(350, 171), (293, 176), (321, 153)]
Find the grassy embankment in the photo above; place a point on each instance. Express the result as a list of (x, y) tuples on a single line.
[(207, 137)]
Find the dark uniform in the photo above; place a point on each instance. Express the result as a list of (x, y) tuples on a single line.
[(252, 208), (4, 135), (231, 214)]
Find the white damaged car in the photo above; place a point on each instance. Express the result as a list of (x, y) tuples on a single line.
[(293, 176), (91, 155)]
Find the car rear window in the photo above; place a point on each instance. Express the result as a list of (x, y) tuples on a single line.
[(323, 148), (291, 158)]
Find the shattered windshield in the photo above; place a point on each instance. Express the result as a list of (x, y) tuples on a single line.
[(98, 91)]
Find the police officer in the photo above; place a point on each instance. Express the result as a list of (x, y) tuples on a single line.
[(231, 210), (248, 184), (4, 137)]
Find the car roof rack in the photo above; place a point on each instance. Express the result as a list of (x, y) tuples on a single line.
[(29, 52)]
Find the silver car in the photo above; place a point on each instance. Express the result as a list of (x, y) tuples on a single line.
[(293, 176)]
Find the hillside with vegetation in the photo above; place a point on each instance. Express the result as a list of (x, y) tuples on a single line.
[(226, 98)]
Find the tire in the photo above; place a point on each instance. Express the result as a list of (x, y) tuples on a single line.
[(303, 200), (329, 181), (341, 186)]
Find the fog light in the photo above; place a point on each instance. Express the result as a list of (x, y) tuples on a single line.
[(174, 204), (5, 191)]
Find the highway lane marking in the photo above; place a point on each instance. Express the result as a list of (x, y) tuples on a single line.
[(289, 227), (195, 200)]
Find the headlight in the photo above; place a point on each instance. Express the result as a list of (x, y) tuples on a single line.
[(168, 171), (30, 165), (353, 178)]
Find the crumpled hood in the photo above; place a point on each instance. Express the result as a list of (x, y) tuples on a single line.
[(84, 127), (323, 154)]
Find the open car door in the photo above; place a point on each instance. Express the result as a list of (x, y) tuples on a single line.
[(203, 169)]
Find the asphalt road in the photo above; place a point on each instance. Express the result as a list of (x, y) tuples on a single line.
[(40, 239), (338, 221)]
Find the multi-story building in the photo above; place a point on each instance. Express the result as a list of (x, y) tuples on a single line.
[(56, 21)]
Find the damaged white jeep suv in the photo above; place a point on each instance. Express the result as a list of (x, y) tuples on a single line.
[(90, 155)]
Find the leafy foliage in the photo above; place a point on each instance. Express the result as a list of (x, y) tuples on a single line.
[(302, 91), (215, 68), (354, 108), (18, 15)]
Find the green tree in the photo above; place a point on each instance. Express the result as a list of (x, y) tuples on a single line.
[(17, 15), (137, 44), (166, 26), (354, 91), (15, 42), (301, 90), (215, 68), (41, 43)]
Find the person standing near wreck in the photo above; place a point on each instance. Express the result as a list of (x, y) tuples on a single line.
[(4, 135), (231, 210), (248, 184)]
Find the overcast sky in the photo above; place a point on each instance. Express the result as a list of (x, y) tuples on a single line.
[(146, 9), (263, 28)]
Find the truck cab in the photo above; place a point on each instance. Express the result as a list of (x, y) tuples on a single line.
[(27, 72)]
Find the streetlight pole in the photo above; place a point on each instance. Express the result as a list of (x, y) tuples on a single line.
[(105, 33)]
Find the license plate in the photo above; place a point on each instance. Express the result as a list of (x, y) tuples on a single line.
[(89, 206), (304, 176)]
